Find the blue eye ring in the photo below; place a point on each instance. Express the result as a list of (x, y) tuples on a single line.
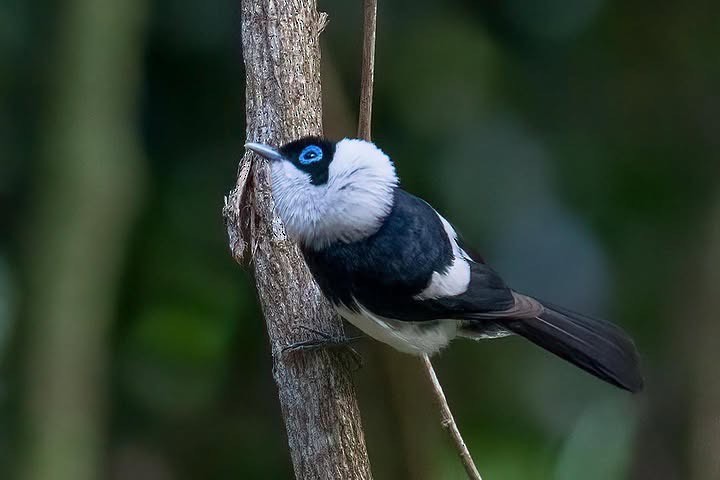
[(310, 154)]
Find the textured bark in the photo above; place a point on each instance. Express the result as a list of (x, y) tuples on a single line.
[(367, 74), (317, 396)]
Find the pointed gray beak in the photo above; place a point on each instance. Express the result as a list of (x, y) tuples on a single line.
[(264, 151)]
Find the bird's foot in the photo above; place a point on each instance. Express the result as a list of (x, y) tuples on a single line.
[(324, 341)]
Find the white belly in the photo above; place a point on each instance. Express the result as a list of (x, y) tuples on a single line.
[(415, 338)]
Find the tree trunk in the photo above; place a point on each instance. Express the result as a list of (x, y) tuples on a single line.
[(89, 181), (317, 396)]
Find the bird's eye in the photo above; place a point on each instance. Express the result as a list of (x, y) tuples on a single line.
[(311, 154)]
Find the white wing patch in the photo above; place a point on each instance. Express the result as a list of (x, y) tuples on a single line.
[(456, 278), (416, 338)]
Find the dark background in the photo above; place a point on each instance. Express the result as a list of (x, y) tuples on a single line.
[(574, 142)]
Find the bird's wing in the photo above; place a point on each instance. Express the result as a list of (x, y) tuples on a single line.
[(414, 269)]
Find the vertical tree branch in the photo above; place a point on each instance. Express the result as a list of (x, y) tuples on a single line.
[(364, 130), (283, 102), (368, 68)]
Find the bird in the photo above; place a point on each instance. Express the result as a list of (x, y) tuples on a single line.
[(395, 268)]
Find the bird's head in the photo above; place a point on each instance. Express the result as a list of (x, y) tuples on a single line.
[(327, 192)]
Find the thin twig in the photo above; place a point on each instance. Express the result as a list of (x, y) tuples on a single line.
[(448, 422), (368, 68), (364, 122)]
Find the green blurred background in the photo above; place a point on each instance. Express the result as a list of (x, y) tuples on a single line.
[(574, 142)]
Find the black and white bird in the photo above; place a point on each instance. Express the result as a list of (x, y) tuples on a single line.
[(395, 268)]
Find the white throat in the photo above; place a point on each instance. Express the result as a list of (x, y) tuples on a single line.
[(352, 204)]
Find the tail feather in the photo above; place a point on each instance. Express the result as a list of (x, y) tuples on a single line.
[(598, 347)]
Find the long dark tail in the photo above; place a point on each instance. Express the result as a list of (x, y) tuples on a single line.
[(596, 346)]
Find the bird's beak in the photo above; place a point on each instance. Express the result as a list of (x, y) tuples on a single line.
[(265, 151)]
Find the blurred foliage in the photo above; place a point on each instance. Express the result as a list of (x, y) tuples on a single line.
[(573, 142)]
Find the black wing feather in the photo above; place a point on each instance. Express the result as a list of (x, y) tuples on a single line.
[(598, 347), (385, 271)]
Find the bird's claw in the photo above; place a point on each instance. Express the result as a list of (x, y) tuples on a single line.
[(325, 341)]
